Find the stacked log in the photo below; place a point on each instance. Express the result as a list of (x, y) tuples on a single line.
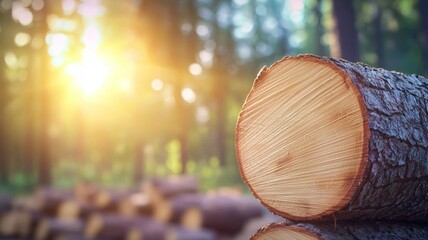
[(161, 189), (224, 214), (345, 231), (325, 140), (53, 228), (91, 212)]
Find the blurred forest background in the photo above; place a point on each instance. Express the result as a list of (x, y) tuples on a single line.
[(113, 92)]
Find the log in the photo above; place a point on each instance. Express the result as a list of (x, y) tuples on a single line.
[(173, 209), (70, 236), (85, 192), (179, 233), (112, 226), (255, 224), (159, 189), (5, 203), (224, 214), (52, 202), (51, 228), (147, 230), (342, 231), (109, 200), (319, 137), (137, 204), (11, 223)]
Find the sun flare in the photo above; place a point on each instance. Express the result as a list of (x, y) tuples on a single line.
[(90, 75)]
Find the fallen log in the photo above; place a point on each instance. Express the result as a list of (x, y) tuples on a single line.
[(159, 189), (319, 137), (109, 200), (5, 203), (346, 231), (173, 209), (11, 223), (52, 228), (180, 233), (137, 204), (53, 202), (147, 230), (70, 236), (112, 226), (224, 214)]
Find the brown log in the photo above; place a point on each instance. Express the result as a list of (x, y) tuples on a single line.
[(54, 202), (224, 214), (255, 224), (319, 137), (10, 223), (85, 192), (51, 228), (148, 230), (109, 200), (137, 204), (342, 231), (179, 233), (30, 221), (173, 209), (5, 203), (71, 236), (160, 189), (112, 226)]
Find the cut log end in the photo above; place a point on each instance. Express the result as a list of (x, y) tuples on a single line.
[(192, 219), (93, 226), (283, 232), (303, 130)]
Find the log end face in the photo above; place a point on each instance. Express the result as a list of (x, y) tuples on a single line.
[(281, 231), (301, 138)]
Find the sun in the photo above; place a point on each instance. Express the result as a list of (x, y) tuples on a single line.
[(90, 75)]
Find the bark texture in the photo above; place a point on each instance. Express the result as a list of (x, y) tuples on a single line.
[(395, 185), (394, 180), (350, 231)]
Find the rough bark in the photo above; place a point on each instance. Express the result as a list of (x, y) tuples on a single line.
[(345, 231), (392, 178), (395, 184)]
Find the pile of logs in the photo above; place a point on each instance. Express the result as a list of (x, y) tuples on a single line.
[(168, 208), (339, 149)]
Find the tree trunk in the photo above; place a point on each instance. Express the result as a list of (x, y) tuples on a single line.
[(44, 165), (345, 231), (346, 31), (378, 36), (319, 28), (324, 138), (423, 9), (4, 169)]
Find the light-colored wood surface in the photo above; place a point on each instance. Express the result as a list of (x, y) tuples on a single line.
[(285, 233), (300, 138)]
